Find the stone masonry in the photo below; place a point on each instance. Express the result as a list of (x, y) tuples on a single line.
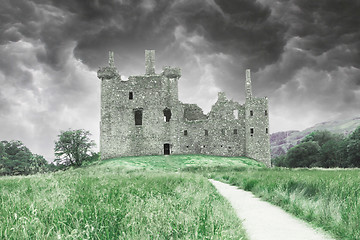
[(143, 116)]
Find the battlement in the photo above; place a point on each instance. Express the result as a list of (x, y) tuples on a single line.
[(108, 73), (171, 72)]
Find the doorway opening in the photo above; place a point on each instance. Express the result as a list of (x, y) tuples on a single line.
[(166, 149)]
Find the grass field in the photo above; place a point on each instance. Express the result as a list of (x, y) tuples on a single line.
[(119, 200), (169, 197), (329, 199)]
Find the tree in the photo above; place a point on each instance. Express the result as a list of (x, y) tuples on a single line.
[(321, 137), (280, 161), (303, 155), (38, 164), (73, 147), (353, 148), (328, 155), (17, 159)]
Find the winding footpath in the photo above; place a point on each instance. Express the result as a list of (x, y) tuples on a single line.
[(263, 221)]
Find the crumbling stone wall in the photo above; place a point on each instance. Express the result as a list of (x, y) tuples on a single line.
[(141, 115)]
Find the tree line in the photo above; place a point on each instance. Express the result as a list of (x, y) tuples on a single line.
[(72, 148), (323, 149)]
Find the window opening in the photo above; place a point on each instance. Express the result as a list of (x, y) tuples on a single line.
[(166, 149), (251, 113), (185, 133), (131, 95), (206, 133), (267, 130), (138, 117), (236, 114), (251, 131), (167, 115), (266, 113), (235, 131)]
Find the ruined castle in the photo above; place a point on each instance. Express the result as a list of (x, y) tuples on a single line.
[(143, 116)]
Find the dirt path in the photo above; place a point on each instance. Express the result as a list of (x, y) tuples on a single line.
[(264, 221)]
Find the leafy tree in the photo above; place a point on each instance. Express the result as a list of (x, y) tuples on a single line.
[(3, 159), (321, 137), (38, 164), (280, 161), (324, 149), (16, 159), (353, 148), (73, 147), (328, 156), (303, 155), (353, 153)]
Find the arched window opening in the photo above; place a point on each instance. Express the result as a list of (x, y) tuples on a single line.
[(167, 115)]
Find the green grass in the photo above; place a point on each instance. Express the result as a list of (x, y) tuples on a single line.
[(117, 200), (169, 197), (329, 199), (178, 162)]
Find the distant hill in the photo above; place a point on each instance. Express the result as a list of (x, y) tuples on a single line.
[(281, 142)]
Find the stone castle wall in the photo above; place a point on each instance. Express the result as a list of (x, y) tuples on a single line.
[(168, 126)]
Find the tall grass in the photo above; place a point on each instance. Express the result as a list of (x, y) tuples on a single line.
[(329, 199), (112, 203)]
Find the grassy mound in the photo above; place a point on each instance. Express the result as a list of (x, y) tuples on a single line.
[(179, 162)]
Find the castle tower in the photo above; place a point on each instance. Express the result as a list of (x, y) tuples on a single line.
[(149, 62), (111, 59), (257, 135), (248, 85)]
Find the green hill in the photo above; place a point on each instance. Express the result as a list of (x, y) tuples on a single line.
[(178, 162)]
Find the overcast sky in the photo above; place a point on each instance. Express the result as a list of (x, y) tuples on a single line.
[(304, 56)]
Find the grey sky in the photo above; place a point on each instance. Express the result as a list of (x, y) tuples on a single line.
[(304, 56)]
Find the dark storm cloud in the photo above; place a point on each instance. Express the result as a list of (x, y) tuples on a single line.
[(325, 25), (240, 27), (318, 71), (236, 27), (322, 35), (302, 53)]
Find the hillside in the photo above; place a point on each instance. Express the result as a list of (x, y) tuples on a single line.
[(281, 142)]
